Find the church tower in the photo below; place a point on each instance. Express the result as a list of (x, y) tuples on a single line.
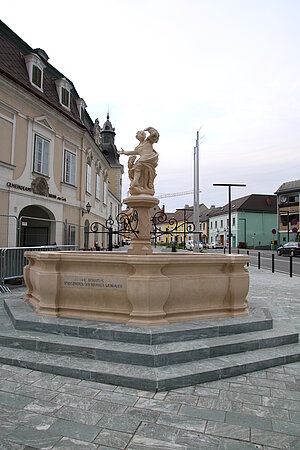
[(108, 133)]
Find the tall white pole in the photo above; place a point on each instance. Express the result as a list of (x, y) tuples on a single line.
[(196, 195)]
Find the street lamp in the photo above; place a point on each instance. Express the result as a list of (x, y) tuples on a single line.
[(229, 185), (196, 192), (87, 209)]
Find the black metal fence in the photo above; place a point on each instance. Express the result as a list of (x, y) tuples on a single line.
[(271, 261), (12, 261)]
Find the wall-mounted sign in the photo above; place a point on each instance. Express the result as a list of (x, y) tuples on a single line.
[(37, 187)]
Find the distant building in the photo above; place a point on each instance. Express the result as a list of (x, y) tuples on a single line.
[(254, 217), (204, 223), (288, 211), (53, 159), (178, 225)]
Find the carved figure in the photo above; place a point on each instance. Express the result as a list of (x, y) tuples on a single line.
[(40, 186), (142, 172), (97, 132)]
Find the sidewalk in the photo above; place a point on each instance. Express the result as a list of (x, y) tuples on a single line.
[(260, 410)]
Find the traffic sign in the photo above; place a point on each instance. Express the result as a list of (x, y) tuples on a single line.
[(273, 231), (294, 230)]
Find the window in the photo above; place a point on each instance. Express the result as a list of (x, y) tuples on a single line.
[(222, 223), (233, 221), (35, 68), (63, 88), (105, 192), (70, 168), (81, 105), (41, 155), (88, 178), (216, 224), (72, 232), (97, 187), (211, 224), (110, 209), (227, 223), (65, 97), (294, 199), (36, 76)]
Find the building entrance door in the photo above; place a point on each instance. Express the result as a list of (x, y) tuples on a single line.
[(35, 236), (36, 226)]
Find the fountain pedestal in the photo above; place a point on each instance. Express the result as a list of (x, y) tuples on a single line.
[(142, 204)]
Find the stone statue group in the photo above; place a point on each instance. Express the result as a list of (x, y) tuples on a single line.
[(142, 171)]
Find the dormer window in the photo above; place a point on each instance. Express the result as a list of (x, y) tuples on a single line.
[(65, 97), (81, 105), (36, 76), (64, 92), (35, 69)]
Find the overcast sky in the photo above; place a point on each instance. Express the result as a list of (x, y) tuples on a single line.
[(232, 66)]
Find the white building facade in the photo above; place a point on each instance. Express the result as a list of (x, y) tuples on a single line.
[(52, 163)]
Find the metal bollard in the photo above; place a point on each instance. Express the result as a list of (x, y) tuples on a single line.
[(249, 258), (273, 263), (291, 266), (258, 260)]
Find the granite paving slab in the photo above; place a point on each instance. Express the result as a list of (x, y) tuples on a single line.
[(203, 416)]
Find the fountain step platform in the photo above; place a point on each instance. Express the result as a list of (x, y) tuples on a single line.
[(141, 354), (24, 318), (150, 358), (152, 378)]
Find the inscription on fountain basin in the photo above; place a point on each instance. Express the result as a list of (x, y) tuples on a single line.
[(92, 282)]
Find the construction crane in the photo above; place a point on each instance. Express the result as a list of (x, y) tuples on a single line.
[(174, 194)]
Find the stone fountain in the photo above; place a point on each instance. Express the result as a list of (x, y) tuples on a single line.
[(145, 294), (138, 287)]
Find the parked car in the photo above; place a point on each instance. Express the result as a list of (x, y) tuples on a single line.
[(290, 248), (215, 245), (127, 241), (189, 245)]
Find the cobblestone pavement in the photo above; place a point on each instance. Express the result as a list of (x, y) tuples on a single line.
[(260, 410)]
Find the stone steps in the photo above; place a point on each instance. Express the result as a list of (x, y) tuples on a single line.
[(24, 318), (141, 354), (149, 358), (149, 378)]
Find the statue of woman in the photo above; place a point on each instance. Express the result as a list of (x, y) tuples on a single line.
[(142, 171)]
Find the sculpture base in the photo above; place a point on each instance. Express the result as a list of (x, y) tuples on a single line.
[(137, 289), (140, 244)]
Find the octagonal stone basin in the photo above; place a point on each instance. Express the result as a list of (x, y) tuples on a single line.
[(137, 289)]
